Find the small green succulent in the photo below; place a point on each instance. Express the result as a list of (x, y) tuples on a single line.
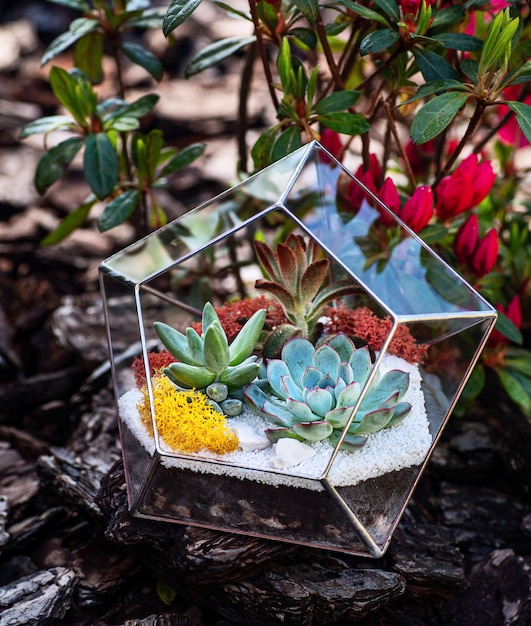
[(208, 363), (310, 392)]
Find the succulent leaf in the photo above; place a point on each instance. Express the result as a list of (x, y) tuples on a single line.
[(339, 417), (287, 262), (216, 349), (195, 346), (190, 376), (311, 377), (372, 422), (313, 431), (175, 342), (274, 434), (360, 362), (349, 395), (245, 341), (209, 316), (320, 401), (301, 411), (275, 370), (312, 280), (290, 389), (326, 360), (297, 354), (239, 375), (279, 292), (402, 410)]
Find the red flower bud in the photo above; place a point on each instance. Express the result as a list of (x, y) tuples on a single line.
[(514, 313), (454, 194), (388, 194), (466, 240), (332, 142), (484, 178), (357, 194), (418, 210), (486, 254)]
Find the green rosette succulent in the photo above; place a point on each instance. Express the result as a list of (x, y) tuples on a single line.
[(208, 363), (310, 393)]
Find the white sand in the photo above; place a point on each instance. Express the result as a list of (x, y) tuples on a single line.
[(402, 446)]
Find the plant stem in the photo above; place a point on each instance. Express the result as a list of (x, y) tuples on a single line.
[(263, 52), (245, 89), (472, 125), (394, 131), (321, 33)]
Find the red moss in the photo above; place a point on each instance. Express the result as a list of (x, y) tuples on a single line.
[(157, 361), (363, 323), (233, 315)]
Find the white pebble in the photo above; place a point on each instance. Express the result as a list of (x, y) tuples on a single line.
[(250, 439), (290, 452)]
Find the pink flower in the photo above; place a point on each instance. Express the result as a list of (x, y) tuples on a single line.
[(464, 188), (485, 254), (466, 240), (418, 210), (332, 142)]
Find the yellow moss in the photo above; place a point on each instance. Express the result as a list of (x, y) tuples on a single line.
[(185, 420)]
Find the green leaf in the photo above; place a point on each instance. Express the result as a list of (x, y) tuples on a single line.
[(261, 151), (166, 593), (447, 18), (309, 8), (337, 101), (77, 5), (436, 115), (74, 93), (433, 66), (435, 87), (139, 55), (216, 52), (307, 36), (69, 223), (118, 211), (54, 162), (284, 66), (459, 41), (178, 12), (515, 388), (378, 40), (523, 116), (364, 12), (475, 384), (137, 109), (78, 28), (150, 18), (518, 359), (508, 329), (100, 164), (345, 123), (232, 10), (389, 7), (286, 142), (88, 56), (498, 42), (46, 125), (183, 158)]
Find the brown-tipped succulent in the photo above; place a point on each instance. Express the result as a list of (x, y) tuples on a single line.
[(296, 275)]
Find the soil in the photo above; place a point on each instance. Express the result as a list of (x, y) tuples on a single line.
[(69, 551)]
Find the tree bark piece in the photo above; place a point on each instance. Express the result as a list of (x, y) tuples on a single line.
[(38, 599)]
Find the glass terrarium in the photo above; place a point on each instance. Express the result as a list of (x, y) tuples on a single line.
[(295, 354)]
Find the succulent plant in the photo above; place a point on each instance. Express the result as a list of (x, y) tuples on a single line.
[(310, 393), (208, 363), (294, 275)]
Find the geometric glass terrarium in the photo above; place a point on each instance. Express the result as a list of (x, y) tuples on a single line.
[(334, 468)]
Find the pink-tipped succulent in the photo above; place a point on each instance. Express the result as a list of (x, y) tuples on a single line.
[(296, 274)]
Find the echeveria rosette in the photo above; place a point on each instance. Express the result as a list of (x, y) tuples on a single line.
[(310, 392), (208, 363)]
